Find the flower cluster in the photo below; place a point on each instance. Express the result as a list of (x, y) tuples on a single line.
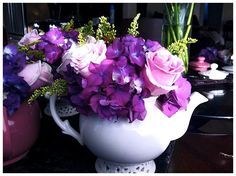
[(103, 74), (28, 65), (21, 78), (113, 80)]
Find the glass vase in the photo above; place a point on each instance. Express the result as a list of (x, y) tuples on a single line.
[(177, 26)]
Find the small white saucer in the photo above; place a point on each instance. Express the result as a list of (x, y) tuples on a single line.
[(228, 69)]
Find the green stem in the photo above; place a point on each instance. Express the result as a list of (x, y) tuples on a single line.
[(186, 60), (170, 23), (189, 21), (190, 14)]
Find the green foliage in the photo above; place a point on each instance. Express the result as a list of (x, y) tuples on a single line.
[(179, 47), (133, 30), (105, 31), (59, 87), (25, 48), (84, 31), (37, 54), (68, 26)]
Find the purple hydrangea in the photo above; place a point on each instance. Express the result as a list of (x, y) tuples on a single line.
[(115, 88), (176, 99), (54, 43), (15, 88)]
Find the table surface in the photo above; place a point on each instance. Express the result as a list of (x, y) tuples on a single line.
[(55, 152), (221, 105)]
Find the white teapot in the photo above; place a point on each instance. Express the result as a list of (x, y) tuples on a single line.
[(130, 147)]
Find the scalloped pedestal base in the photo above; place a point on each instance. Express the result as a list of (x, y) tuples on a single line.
[(103, 166)]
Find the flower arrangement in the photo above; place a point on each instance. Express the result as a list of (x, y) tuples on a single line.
[(101, 73), (28, 65)]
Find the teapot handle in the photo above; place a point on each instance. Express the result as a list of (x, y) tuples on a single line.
[(64, 125)]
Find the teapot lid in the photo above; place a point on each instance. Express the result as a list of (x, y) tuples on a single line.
[(214, 74), (200, 64)]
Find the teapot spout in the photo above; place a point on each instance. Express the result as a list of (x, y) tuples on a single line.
[(195, 100), (179, 122)]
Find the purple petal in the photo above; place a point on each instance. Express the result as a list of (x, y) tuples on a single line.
[(54, 36), (115, 49), (53, 53), (136, 55), (152, 45), (169, 109), (10, 49), (42, 45), (94, 102)]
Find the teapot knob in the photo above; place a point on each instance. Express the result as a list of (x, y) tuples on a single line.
[(214, 66), (201, 59)]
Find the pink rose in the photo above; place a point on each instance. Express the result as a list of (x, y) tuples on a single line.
[(37, 74), (29, 38), (79, 57), (161, 71)]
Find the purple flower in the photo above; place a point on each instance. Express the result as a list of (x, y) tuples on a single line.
[(54, 36), (138, 110), (16, 89), (209, 53), (136, 55), (152, 45), (12, 103), (112, 103), (52, 53), (122, 72), (13, 64), (129, 40), (42, 45), (72, 34), (10, 49), (115, 49), (101, 74), (176, 99), (29, 38)]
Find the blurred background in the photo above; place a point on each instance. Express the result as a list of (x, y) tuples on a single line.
[(212, 23)]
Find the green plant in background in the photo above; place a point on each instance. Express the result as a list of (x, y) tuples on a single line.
[(177, 27)]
